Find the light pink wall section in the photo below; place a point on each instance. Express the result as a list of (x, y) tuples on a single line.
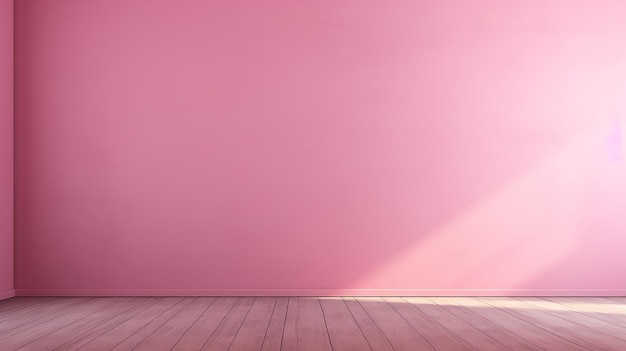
[(6, 149), (332, 145)]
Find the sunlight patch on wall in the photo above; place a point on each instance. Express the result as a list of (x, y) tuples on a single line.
[(511, 236)]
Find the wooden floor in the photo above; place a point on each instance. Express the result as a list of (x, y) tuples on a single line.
[(310, 323)]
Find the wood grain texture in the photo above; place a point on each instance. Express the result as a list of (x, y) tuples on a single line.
[(20, 305), (462, 329), (430, 329), (589, 315), (80, 326), (168, 334), (79, 341), (274, 335), (254, 327), (491, 328), (594, 310), (130, 327), (225, 333), (401, 335), (343, 330), (42, 313), (305, 328), (198, 333), (576, 333), (148, 329), (50, 325), (311, 323), (375, 338), (528, 331)]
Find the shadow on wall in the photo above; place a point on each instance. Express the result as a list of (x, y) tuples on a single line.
[(180, 145)]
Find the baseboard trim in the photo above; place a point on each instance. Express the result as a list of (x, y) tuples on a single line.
[(7, 294), (315, 292)]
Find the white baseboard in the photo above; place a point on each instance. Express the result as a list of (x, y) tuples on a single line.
[(314, 292), (7, 294)]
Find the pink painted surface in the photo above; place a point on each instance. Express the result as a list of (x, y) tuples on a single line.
[(320, 145), (6, 148)]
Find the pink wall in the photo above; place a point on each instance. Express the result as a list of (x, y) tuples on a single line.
[(6, 149), (330, 145)]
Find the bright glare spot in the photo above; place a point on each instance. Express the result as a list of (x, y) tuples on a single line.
[(536, 304)]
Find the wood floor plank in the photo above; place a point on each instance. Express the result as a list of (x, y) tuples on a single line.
[(573, 332), (502, 335), (252, 332), (225, 333), (526, 330), (118, 334), (79, 341), (195, 337), (311, 323), (79, 326), (10, 303), (586, 308), (274, 335), (168, 334), (612, 301), (608, 325), (400, 334), (344, 333), (305, 328), (436, 334), (606, 314), (19, 305), (147, 329), (46, 313), (373, 335), (290, 332), (39, 315), (9, 300), (27, 336), (470, 334)]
